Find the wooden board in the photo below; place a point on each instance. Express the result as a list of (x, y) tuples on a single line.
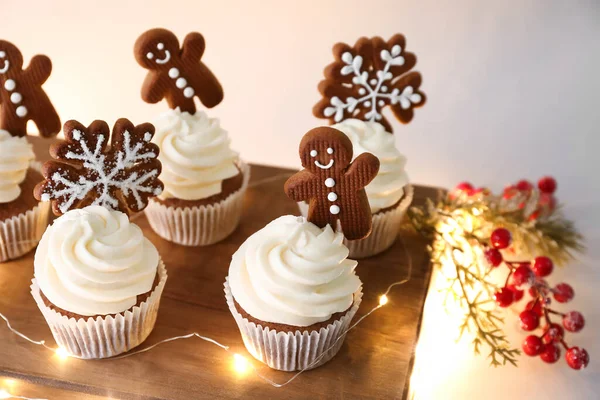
[(374, 362)]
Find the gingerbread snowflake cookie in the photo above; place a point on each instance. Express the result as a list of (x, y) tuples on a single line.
[(333, 184), (174, 73), (368, 77), (88, 170), (21, 95)]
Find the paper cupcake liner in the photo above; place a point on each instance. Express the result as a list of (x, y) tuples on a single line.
[(386, 227), (293, 351), (104, 336), (21, 233), (199, 226)]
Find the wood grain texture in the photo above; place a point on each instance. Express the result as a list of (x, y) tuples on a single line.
[(374, 362)]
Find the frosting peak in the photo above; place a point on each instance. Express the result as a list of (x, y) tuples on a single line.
[(388, 186), (15, 155), (93, 261), (195, 155), (294, 273)]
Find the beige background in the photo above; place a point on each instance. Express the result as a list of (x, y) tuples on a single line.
[(512, 86)]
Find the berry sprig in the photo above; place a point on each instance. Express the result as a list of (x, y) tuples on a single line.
[(537, 314), (460, 226)]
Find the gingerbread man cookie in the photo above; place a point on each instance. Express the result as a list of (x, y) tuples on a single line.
[(176, 74), (21, 95), (368, 77), (332, 184), (88, 171)]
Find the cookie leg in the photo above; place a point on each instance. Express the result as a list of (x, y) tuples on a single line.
[(357, 223), (46, 119)]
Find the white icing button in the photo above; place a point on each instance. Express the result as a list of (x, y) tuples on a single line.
[(21, 111), (180, 83), (188, 92), (10, 85), (313, 153), (329, 182), (334, 209), (173, 73), (16, 98), (332, 196)]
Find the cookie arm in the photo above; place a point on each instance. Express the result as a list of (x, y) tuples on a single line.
[(299, 187), (39, 69), (362, 170), (193, 47), (153, 90)]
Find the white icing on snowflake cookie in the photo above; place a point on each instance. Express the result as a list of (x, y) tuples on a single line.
[(368, 77), (88, 171)]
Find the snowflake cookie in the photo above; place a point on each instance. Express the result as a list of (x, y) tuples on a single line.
[(368, 77), (88, 171)]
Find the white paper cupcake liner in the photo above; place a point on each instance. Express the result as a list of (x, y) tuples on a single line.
[(386, 227), (21, 233), (293, 351), (199, 226), (104, 336)]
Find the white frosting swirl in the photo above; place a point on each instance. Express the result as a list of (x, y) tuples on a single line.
[(15, 155), (93, 261), (388, 186), (195, 155), (292, 272)]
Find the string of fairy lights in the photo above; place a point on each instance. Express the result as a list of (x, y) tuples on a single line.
[(240, 363)]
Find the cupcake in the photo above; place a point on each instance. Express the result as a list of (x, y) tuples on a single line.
[(97, 279), (204, 179), (363, 80), (389, 193), (22, 218), (293, 293), (98, 282)]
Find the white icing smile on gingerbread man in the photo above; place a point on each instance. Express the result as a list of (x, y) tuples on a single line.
[(314, 153), (6, 62), (167, 57)]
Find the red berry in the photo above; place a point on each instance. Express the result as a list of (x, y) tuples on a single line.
[(537, 308), (553, 334), (522, 275), (532, 345), (577, 358), (509, 192), (504, 297), (517, 293), (533, 292), (500, 238), (465, 187), (493, 256), (573, 321), (550, 353), (547, 184), (563, 293), (529, 320), (542, 266), (524, 185), (534, 215)]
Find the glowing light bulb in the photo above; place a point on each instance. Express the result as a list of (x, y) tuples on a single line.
[(240, 364), (62, 353), (383, 300), (4, 394)]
